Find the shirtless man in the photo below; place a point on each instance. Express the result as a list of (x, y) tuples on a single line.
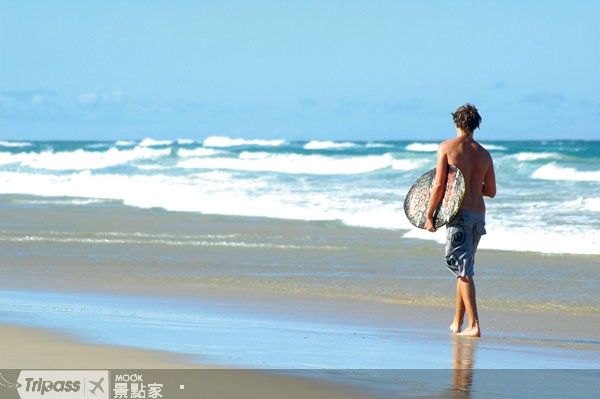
[(464, 231)]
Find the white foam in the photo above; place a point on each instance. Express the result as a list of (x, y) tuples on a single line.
[(432, 147), (378, 145), (553, 172), (292, 163), (222, 141), (585, 204), (8, 158), (422, 147), (439, 236), (80, 159), (254, 155), (14, 144), (162, 242), (409, 164), (61, 201), (153, 167), (493, 147), (535, 156), (97, 145), (148, 142), (197, 152), (327, 145), (124, 143), (377, 216), (223, 193), (212, 193), (185, 141), (550, 240)]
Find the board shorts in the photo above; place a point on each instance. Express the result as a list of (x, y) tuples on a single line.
[(462, 238)]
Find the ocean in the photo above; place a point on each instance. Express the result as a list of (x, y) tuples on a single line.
[(548, 197), (229, 250)]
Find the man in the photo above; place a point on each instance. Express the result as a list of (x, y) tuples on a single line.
[(464, 231)]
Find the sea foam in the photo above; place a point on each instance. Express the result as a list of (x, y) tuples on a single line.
[(552, 194), (535, 156), (197, 152), (293, 163), (148, 142), (586, 204), (552, 171), (80, 159), (422, 147), (493, 147), (14, 144), (222, 141), (327, 145)]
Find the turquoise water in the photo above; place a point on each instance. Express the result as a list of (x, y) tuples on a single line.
[(548, 192)]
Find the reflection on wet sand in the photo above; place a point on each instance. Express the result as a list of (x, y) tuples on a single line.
[(462, 378)]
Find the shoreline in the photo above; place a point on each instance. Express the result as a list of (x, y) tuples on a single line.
[(209, 381), (236, 291), (405, 233), (508, 324), (541, 338), (78, 248), (416, 263), (39, 349)]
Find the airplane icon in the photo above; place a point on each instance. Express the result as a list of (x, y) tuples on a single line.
[(8, 384), (97, 385)]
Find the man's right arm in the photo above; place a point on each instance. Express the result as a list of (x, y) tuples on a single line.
[(489, 182), (438, 187)]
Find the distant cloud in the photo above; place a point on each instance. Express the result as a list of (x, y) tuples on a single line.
[(397, 106), (27, 104), (88, 98), (308, 103), (545, 99), (25, 96), (93, 98), (498, 86), (390, 106)]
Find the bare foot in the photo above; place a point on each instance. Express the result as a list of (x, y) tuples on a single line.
[(455, 327), (471, 332)]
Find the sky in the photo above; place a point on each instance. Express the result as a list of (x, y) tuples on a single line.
[(332, 70)]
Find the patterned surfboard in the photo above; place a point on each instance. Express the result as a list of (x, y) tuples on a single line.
[(417, 199)]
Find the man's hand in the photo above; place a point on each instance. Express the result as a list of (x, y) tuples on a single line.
[(430, 225)]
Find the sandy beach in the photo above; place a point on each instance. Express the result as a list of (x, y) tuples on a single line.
[(118, 287), (41, 349), (206, 200)]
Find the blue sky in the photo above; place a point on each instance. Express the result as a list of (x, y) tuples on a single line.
[(298, 69)]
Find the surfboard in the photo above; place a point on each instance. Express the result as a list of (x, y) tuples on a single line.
[(417, 199)]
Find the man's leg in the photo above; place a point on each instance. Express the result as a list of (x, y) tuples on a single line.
[(466, 286), (459, 313)]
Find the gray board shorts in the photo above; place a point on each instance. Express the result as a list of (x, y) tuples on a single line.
[(462, 237)]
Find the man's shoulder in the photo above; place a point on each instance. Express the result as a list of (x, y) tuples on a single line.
[(448, 143)]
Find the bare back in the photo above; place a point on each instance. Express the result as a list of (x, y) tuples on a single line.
[(476, 164)]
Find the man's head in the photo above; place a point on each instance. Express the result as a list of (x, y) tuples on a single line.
[(467, 118)]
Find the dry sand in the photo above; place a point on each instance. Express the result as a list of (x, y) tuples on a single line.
[(34, 349)]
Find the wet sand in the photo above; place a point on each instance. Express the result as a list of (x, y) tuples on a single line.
[(313, 277), (35, 349)]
